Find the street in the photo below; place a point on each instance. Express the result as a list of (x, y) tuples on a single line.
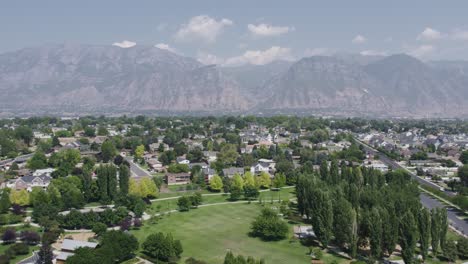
[(426, 200), (136, 170)]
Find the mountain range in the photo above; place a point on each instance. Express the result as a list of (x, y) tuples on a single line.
[(89, 79)]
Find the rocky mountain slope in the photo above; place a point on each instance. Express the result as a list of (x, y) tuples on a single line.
[(105, 79), (102, 77)]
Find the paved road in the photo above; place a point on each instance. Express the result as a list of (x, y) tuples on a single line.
[(452, 214), (394, 165), (426, 200), (136, 170), (21, 158)]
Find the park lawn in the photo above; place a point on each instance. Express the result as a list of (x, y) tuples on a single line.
[(265, 196), (18, 258), (207, 233)]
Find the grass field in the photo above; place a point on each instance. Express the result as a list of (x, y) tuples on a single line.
[(171, 204), (17, 259), (207, 233)]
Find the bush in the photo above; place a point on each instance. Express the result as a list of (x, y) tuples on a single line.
[(9, 236), (269, 226), (162, 247), (30, 237), (20, 249)]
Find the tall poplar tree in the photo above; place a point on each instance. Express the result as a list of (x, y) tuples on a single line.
[(435, 231), (424, 222), (124, 178)]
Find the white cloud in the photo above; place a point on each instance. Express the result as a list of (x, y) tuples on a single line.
[(202, 28), (124, 44), (316, 52), (359, 39), (255, 57), (260, 57), (459, 34), (266, 30), (373, 53), (422, 50), (165, 46), (429, 34), (209, 59)]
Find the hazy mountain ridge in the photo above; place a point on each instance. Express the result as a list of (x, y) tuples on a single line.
[(143, 78)]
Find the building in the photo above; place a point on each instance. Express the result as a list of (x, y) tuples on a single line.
[(29, 182), (182, 160), (263, 165), (208, 173), (69, 246), (230, 172), (177, 178)]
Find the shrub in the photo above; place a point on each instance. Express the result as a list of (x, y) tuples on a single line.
[(30, 237), (269, 226)]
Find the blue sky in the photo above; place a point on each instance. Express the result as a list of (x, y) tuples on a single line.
[(237, 32)]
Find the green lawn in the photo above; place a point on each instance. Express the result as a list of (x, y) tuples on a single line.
[(207, 233), (267, 196), (17, 259)]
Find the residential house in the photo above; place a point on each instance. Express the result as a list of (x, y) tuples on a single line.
[(182, 160), (230, 172), (177, 178), (155, 165), (208, 173), (211, 156), (69, 246), (264, 165), (29, 182)]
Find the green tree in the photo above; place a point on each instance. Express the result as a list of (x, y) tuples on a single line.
[(450, 251), (237, 182), (249, 179), (464, 157), (20, 197), (263, 180), (279, 181), (37, 161), (124, 178), (89, 131), (462, 247), (463, 174), (118, 245), (45, 254), (99, 229), (216, 183), (161, 247), (342, 226), (408, 237), (183, 203), (376, 233), (24, 133), (442, 212), (148, 188), (322, 216), (435, 231), (324, 171), (250, 192), (269, 226), (334, 174), (424, 222), (108, 151), (5, 202), (139, 152)]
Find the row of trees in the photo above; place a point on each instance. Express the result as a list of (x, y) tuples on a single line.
[(357, 209)]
